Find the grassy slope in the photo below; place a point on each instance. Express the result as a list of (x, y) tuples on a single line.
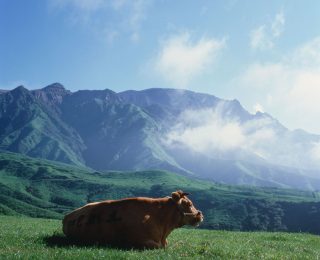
[(41, 188), (29, 238), (32, 128)]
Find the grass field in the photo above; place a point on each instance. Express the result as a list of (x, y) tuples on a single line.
[(31, 238)]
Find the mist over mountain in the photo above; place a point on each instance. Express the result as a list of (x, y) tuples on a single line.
[(191, 133)]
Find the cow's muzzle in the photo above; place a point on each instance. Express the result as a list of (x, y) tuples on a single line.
[(199, 213), (197, 217)]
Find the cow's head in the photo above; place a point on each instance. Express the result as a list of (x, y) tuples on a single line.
[(190, 215)]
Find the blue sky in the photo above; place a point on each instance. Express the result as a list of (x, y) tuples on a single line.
[(266, 54)]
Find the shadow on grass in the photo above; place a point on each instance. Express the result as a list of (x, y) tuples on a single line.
[(60, 240)]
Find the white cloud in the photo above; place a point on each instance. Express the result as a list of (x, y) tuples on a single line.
[(181, 59), (260, 39), (127, 16), (208, 131), (138, 14), (292, 85), (315, 152), (307, 55), (204, 130), (277, 25), (217, 135), (265, 75), (258, 108), (263, 37), (205, 137)]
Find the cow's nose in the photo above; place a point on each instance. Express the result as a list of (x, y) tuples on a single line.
[(199, 212)]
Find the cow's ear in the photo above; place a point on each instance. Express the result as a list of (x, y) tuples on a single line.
[(176, 196), (185, 194)]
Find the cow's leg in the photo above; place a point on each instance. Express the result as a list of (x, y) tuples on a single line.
[(164, 243), (151, 244)]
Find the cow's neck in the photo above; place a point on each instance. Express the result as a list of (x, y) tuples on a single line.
[(171, 217)]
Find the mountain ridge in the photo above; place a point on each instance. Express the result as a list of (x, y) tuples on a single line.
[(182, 131)]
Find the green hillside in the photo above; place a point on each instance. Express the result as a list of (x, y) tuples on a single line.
[(27, 238), (40, 188), (29, 127)]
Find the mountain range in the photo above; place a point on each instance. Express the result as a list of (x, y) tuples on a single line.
[(194, 134)]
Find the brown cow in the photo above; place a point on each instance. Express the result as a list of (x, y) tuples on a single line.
[(133, 222)]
